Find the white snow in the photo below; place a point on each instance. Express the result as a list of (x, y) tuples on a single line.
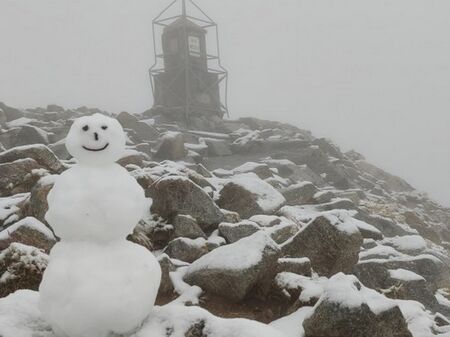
[(404, 275), (28, 222), (266, 220), (278, 162), (292, 325), (249, 136), (31, 257), (407, 243), (343, 289), (380, 252), (267, 197), (19, 122), (404, 258), (8, 205), (299, 260), (20, 317), (248, 167), (178, 319), (342, 219), (231, 256), (48, 179), (442, 297), (196, 147), (420, 322), (365, 226), (312, 287), (215, 238), (91, 289), (188, 294), (206, 134)]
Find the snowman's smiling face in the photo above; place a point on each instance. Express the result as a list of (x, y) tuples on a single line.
[(96, 140)]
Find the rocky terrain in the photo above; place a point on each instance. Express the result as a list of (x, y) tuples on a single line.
[(260, 228)]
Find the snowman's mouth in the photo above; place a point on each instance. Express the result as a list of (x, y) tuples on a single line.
[(96, 150)]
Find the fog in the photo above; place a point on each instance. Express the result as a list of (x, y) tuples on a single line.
[(370, 75)]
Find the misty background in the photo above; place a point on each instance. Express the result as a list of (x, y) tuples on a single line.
[(373, 76)]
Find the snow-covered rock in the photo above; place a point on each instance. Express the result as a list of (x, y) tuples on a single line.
[(171, 147), (28, 231), (187, 250), (332, 245), (39, 152), (21, 267), (232, 271), (18, 176), (186, 226), (175, 195), (233, 232), (248, 195), (346, 308), (301, 193)]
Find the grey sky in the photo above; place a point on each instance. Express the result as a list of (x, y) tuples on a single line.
[(371, 75)]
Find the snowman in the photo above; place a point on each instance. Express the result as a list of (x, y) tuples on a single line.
[(97, 283)]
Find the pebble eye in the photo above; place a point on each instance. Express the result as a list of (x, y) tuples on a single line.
[(85, 128), (104, 127)]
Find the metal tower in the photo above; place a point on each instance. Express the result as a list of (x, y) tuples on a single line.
[(187, 77)]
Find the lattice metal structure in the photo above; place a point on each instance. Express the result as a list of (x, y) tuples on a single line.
[(188, 77)]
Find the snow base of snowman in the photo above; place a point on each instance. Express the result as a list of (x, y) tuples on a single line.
[(91, 290), (97, 283)]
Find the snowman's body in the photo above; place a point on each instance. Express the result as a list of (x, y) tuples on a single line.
[(95, 203), (97, 283)]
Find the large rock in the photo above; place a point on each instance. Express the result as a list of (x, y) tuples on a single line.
[(328, 147), (311, 156), (407, 285), (38, 204), (217, 147), (430, 267), (263, 171), (179, 195), (394, 183), (234, 271), (233, 232), (18, 176), (39, 152), (248, 195), (166, 286), (187, 227), (187, 250), (347, 308), (171, 147), (10, 113), (330, 245), (143, 130), (288, 169), (386, 226), (31, 135), (300, 265), (21, 267), (301, 193), (28, 231), (59, 149), (13, 208)]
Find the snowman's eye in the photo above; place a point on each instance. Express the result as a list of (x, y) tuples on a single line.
[(85, 128), (104, 127)]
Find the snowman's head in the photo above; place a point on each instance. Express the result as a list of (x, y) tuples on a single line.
[(96, 140)]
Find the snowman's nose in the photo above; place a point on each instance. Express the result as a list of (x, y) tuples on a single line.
[(96, 135)]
